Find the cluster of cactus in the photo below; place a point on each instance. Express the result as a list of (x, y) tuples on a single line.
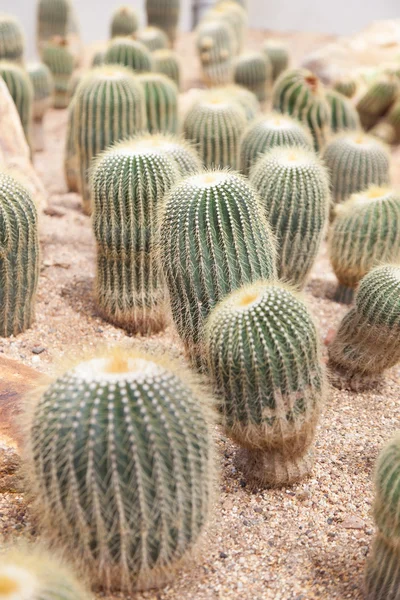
[(161, 102), (299, 93), (212, 220), (129, 53), (368, 339), (166, 62), (355, 161), (11, 39), (347, 86), (245, 98), (253, 71), (278, 57), (165, 15), (19, 256), (109, 106), (58, 58), (124, 21), (54, 18), (131, 498), (343, 114), (21, 91), (293, 185), (376, 100), (265, 362), (153, 38), (215, 43), (71, 167), (43, 90), (268, 132), (365, 233)]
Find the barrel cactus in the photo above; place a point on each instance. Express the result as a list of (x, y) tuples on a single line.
[(54, 18), (253, 71), (61, 63), (161, 102), (355, 161), (346, 86), (129, 53), (343, 114), (365, 233), (293, 185), (109, 106), (19, 257), (215, 43), (98, 58), (12, 44), (153, 38), (125, 21), (167, 63), (378, 97), (299, 93), (245, 98), (264, 360), (392, 119), (129, 183), (165, 15), (368, 339), (21, 91), (268, 132), (71, 167), (130, 498), (214, 238), (235, 16), (278, 56), (43, 90)]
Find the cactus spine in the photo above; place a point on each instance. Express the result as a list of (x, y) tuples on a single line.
[(12, 44), (129, 183), (161, 103), (130, 449), (265, 362), (213, 220), (368, 339), (124, 22), (245, 98), (278, 56), (343, 113), (129, 53), (166, 62), (215, 44), (21, 91), (153, 38), (268, 132), (43, 91), (165, 15), (61, 63), (109, 106), (71, 167), (299, 93), (378, 97), (19, 257), (294, 188), (254, 72), (366, 232)]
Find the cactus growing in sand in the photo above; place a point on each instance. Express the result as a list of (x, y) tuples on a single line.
[(124, 21), (43, 90), (153, 38), (128, 441), (379, 96), (60, 61), (215, 43), (265, 363), (165, 15), (368, 339), (21, 91), (365, 233), (167, 63), (161, 96), (129, 53), (343, 114), (12, 43), (346, 86), (19, 257), (278, 56), (253, 71), (293, 185), (71, 167)]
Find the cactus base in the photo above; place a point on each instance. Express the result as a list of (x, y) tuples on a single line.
[(344, 294), (273, 469), (382, 579), (140, 321), (354, 381)]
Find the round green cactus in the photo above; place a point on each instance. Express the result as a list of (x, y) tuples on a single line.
[(346, 86), (129, 182), (129, 53), (12, 44), (71, 167), (161, 103), (214, 238), (214, 124), (265, 363), (293, 185), (355, 161), (98, 58), (378, 97), (299, 93), (215, 44), (343, 114), (21, 91), (54, 18), (19, 257), (153, 38), (109, 106), (128, 441), (245, 98), (254, 72), (268, 132), (167, 63), (43, 88), (165, 15), (393, 120), (61, 63), (235, 16), (365, 232), (278, 56), (125, 21)]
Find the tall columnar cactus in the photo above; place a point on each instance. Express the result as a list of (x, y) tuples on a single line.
[(129, 53), (365, 233), (33, 573), (343, 114), (125, 21), (368, 339), (346, 86), (54, 18), (299, 93), (165, 15), (253, 71), (161, 103), (109, 106), (71, 167), (43, 92), (21, 90), (153, 38), (167, 63), (129, 183), (293, 185), (128, 441), (235, 16), (268, 132), (378, 97), (265, 362), (278, 56), (12, 44), (19, 257), (355, 161), (61, 63), (214, 238), (214, 124), (215, 44), (245, 98)]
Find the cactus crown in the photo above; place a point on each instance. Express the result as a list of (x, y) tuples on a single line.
[(130, 53), (124, 22)]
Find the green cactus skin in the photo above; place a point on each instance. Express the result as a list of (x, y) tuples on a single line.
[(233, 15), (153, 38), (21, 91), (245, 98), (125, 21), (165, 15), (129, 183), (33, 573), (365, 232), (254, 72), (98, 58), (378, 97), (61, 63), (265, 363), (129, 53), (71, 167), (343, 114), (129, 445), (346, 86), (215, 44), (54, 18), (43, 98), (368, 339), (355, 161), (299, 93), (19, 257), (214, 238), (214, 124), (393, 120), (167, 63), (75, 80), (278, 57), (293, 185), (161, 103), (12, 44), (267, 132), (109, 106)]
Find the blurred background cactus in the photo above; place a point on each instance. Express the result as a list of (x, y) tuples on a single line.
[(125, 21), (71, 167), (215, 47), (153, 38), (57, 18), (161, 96), (253, 71), (165, 15), (245, 98), (12, 43), (167, 63), (343, 114), (21, 91), (346, 86), (43, 98), (129, 53), (378, 97), (278, 56), (58, 58)]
